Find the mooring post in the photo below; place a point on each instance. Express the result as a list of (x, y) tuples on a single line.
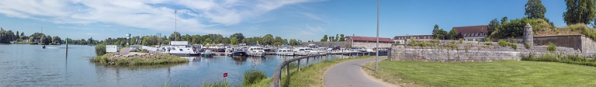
[(66, 47), (307, 61), (298, 65), (287, 69)]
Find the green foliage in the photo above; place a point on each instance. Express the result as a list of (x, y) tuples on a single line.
[(461, 40), (234, 41), (515, 27), (503, 43), (452, 35), (570, 59), (535, 9), (207, 41), (252, 77), (527, 45), (551, 47), (488, 43), (492, 26), (579, 11), (342, 37), (100, 49), (160, 59), (267, 39), (482, 74), (324, 38), (440, 34)]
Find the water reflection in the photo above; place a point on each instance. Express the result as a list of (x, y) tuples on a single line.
[(29, 65)]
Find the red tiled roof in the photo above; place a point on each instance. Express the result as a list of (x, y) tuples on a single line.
[(371, 39), (472, 30)]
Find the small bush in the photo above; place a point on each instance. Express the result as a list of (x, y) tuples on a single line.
[(551, 47), (527, 45), (514, 46), (214, 84), (503, 43), (488, 43), (252, 77), (461, 40), (100, 49)]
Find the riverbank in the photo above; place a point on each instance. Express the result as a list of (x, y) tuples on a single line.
[(134, 58), (479, 74), (309, 76)]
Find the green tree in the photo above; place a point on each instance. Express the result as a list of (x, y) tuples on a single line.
[(342, 37), (90, 40), (239, 36), (336, 37), (324, 38), (207, 41), (579, 11), (234, 41), (267, 39), (56, 40), (175, 36), (535, 9), (492, 26), (440, 34), (42, 40), (293, 42), (436, 28), (452, 34), (278, 39), (331, 39), (504, 20)]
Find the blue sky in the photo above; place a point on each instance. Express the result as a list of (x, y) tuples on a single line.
[(297, 19)]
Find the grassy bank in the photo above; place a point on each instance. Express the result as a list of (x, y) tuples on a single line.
[(154, 60), (481, 74), (308, 76), (570, 59)]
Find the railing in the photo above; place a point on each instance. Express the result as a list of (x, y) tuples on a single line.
[(276, 78)]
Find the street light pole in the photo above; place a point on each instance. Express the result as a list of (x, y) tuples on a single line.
[(377, 52)]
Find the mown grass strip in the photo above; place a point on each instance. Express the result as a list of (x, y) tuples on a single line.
[(483, 74)]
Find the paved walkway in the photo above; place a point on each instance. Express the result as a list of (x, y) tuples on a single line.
[(350, 74), (124, 51)]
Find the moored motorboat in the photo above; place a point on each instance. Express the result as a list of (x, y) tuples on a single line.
[(256, 51)]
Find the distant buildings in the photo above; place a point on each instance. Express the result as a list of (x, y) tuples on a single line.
[(368, 42), (472, 33), (402, 39)]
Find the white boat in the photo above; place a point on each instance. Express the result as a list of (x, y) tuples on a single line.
[(304, 51), (256, 51), (285, 52), (207, 53), (180, 50)]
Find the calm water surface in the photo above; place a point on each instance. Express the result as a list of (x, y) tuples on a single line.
[(29, 65)]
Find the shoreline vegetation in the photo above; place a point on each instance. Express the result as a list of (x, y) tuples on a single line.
[(478, 74), (129, 60)]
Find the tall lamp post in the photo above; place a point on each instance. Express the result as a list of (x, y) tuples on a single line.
[(377, 52)]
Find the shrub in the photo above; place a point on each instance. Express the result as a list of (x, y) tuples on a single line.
[(527, 45), (488, 43), (100, 49), (461, 40), (503, 43), (252, 77), (551, 47), (514, 46)]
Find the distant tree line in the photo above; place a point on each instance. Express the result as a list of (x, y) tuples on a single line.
[(444, 35), (337, 37), (8, 36), (233, 39)]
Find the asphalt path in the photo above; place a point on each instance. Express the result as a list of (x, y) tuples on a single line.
[(350, 74), (124, 51)]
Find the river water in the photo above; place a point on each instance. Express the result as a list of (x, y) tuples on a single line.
[(30, 65)]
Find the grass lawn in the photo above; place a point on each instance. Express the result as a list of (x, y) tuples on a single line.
[(311, 76), (482, 74)]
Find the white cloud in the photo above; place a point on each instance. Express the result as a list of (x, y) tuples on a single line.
[(197, 15)]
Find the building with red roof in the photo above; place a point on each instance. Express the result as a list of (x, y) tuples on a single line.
[(474, 33), (368, 42)]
